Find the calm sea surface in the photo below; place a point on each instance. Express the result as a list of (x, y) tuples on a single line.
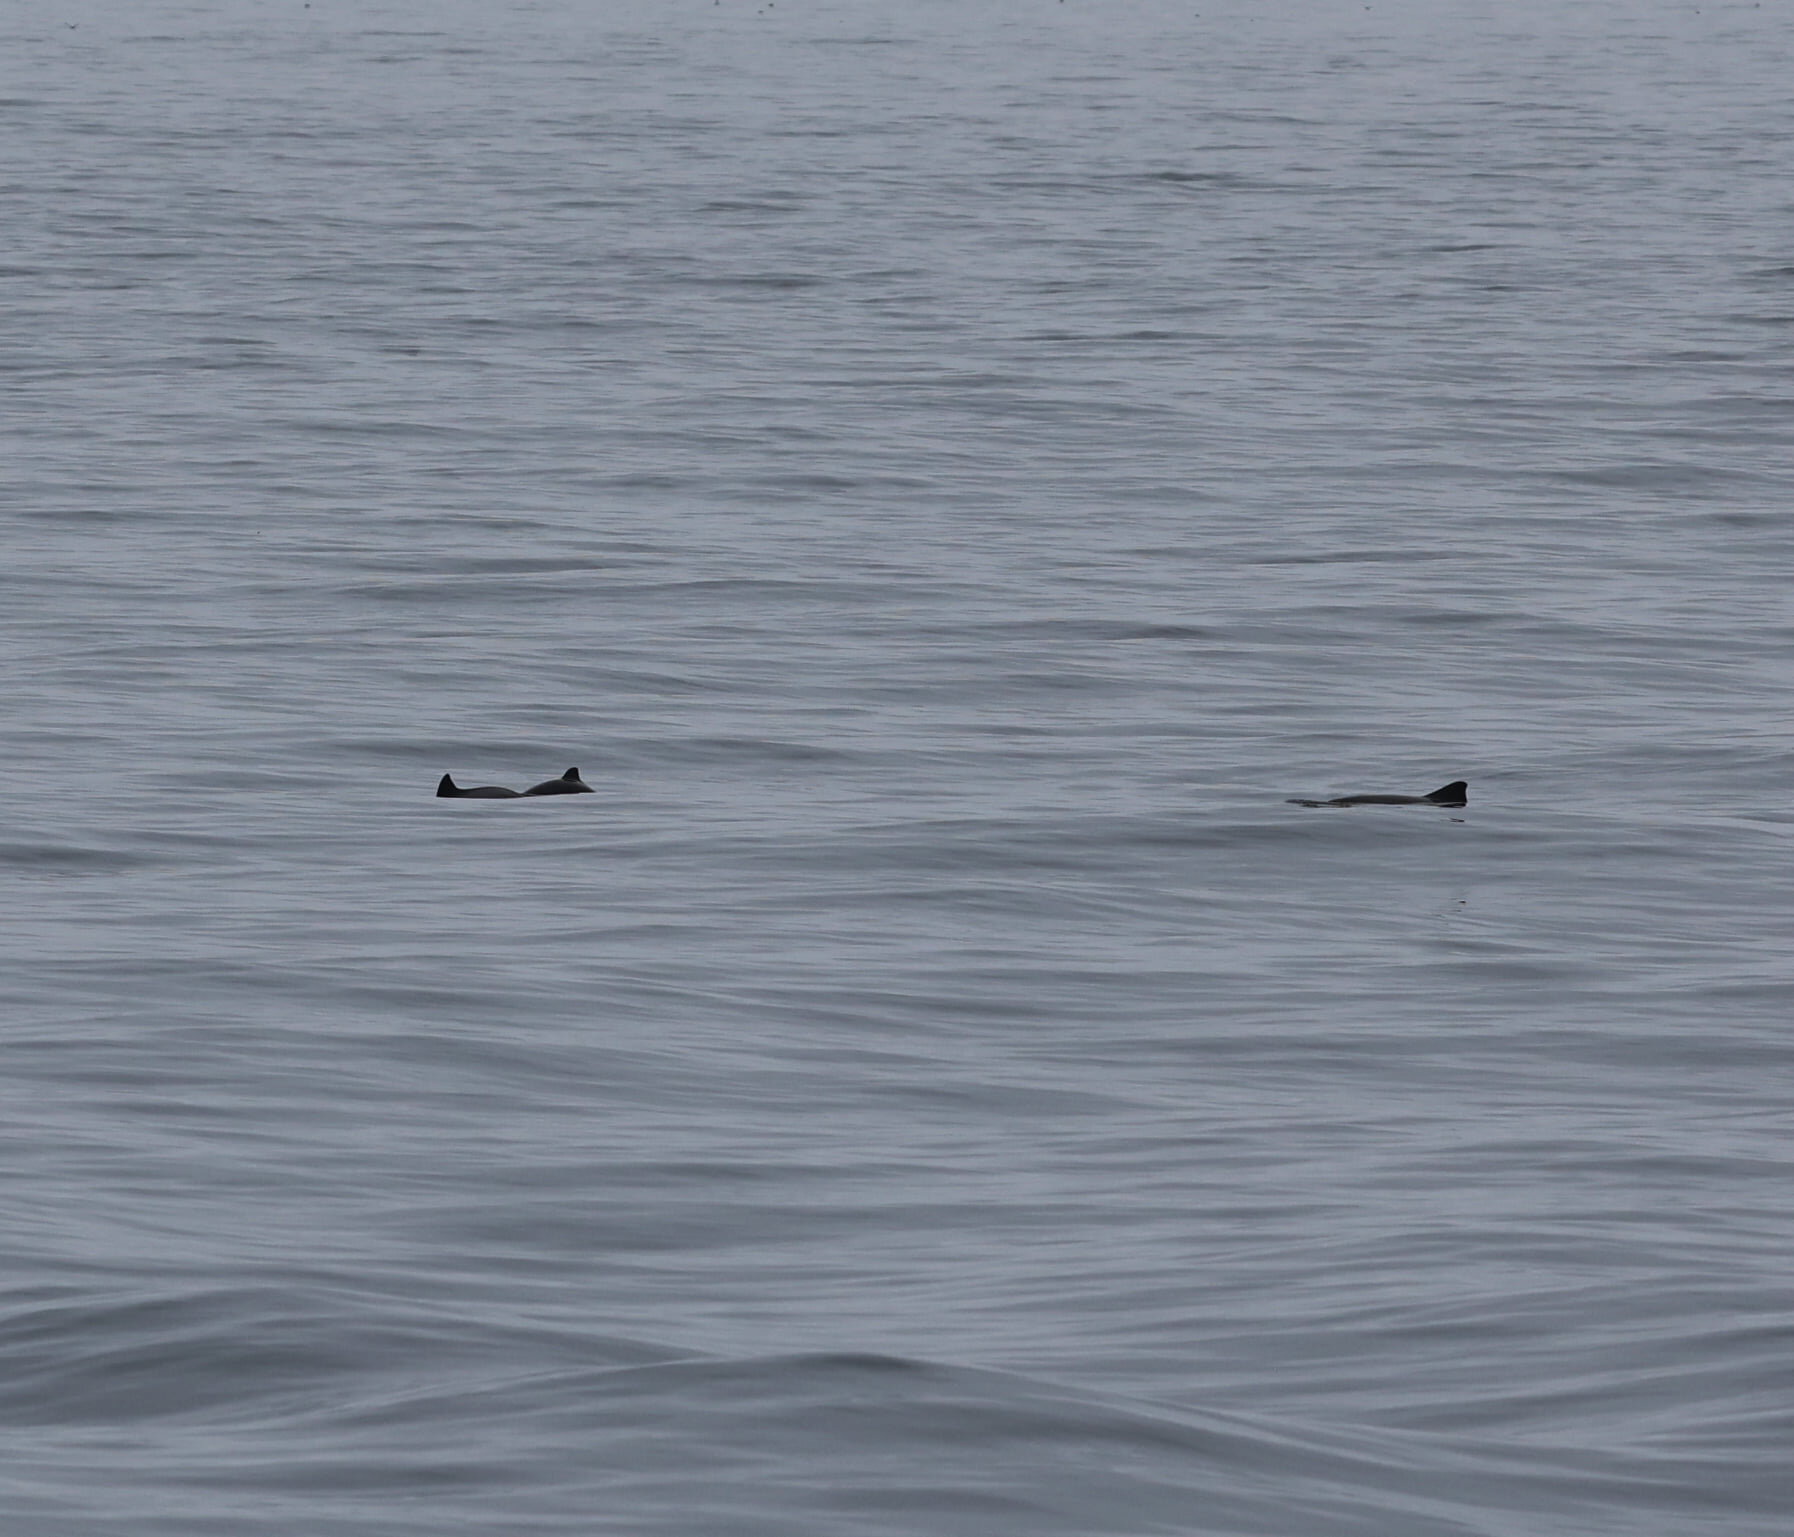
[(946, 474)]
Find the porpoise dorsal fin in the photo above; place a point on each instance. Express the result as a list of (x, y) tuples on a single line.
[(447, 786), (1457, 793), (572, 774)]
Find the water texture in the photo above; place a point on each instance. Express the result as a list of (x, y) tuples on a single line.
[(947, 475)]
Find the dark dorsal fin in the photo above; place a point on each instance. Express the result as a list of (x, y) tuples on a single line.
[(571, 774), (447, 786), (1457, 793)]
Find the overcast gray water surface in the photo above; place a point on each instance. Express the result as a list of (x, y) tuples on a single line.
[(947, 475)]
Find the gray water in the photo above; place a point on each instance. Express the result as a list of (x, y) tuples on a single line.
[(947, 475)]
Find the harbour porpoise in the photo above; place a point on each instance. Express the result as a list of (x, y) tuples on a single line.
[(1457, 793), (568, 784), (447, 786)]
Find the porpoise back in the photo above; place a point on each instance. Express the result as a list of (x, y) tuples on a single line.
[(1457, 793), (568, 784), (448, 787)]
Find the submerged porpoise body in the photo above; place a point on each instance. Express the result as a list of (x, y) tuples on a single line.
[(1457, 793)]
